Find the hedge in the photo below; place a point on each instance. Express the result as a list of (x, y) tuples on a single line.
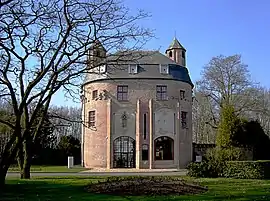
[(231, 169), (247, 169), (201, 169)]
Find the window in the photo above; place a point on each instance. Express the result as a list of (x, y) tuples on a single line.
[(144, 126), (133, 68), (170, 53), (94, 94), (92, 119), (164, 148), (164, 69), (183, 54), (145, 152), (184, 119), (122, 93), (124, 152), (161, 92), (103, 68), (124, 120), (182, 94)]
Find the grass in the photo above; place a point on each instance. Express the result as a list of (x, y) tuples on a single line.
[(58, 169), (72, 188)]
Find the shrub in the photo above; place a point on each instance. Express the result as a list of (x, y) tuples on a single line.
[(227, 127), (215, 162), (217, 158), (201, 169), (247, 169)]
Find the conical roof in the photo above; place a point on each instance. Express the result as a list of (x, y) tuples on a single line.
[(175, 44)]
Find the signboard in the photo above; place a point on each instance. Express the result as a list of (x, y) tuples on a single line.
[(198, 158)]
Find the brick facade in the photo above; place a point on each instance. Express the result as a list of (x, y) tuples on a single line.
[(140, 131), (98, 142)]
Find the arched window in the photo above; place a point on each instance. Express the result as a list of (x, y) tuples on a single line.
[(170, 54), (124, 120), (164, 148), (124, 152), (183, 54)]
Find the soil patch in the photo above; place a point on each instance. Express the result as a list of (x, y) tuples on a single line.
[(145, 186)]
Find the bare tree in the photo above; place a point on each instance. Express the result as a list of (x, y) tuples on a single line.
[(262, 112), (66, 120), (44, 48), (204, 118), (226, 80)]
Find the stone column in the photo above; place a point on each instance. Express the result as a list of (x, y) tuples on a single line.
[(83, 102), (109, 126), (151, 154), (178, 133), (138, 136)]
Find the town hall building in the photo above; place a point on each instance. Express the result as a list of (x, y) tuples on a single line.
[(137, 112)]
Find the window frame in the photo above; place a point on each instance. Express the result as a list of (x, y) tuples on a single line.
[(170, 54), (183, 54), (145, 152), (133, 68), (164, 69), (161, 95), (168, 155), (122, 92), (182, 94), (94, 94), (92, 123), (144, 126), (184, 116)]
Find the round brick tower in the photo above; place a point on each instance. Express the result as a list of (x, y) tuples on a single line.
[(137, 113)]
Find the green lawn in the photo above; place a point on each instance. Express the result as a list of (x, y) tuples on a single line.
[(72, 188), (50, 169)]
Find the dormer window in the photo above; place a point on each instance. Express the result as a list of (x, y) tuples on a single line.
[(103, 68), (133, 69), (164, 69), (170, 54)]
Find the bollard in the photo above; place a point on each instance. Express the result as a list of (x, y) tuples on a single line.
[(70, 162)]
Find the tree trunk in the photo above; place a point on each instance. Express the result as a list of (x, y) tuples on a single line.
[(25, 172), (20, 158), (3, 173), (25, 161), (7, 156)]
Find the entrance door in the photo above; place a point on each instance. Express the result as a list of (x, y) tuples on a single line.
[(124, 152)]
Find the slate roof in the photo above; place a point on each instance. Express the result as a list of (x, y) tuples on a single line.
[(148, 68)]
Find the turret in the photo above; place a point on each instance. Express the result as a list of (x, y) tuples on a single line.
[(177, 52), (97, 54)]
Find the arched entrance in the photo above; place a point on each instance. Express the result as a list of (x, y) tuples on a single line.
[(124, 150), (164, 148)]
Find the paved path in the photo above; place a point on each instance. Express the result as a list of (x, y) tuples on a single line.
[(155, 173)]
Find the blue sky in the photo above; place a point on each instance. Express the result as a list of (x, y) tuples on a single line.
[(208, 28)]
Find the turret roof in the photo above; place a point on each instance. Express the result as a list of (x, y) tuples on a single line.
[(175, 44)]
